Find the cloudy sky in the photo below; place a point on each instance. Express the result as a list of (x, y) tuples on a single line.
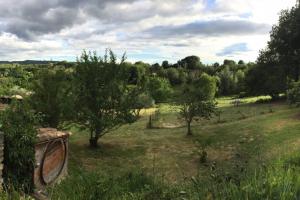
[(148, 30)]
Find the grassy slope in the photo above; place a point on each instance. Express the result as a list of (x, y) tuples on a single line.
[(248, 137)]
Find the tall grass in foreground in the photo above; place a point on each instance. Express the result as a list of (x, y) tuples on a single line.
[(281, 181), (10, 193), (93, 186)]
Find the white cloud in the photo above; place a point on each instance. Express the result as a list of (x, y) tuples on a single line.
[(62, 28)]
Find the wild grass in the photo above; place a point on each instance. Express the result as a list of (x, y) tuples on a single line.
[(243, 147)]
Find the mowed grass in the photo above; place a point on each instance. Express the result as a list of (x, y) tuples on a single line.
[(247, 136)]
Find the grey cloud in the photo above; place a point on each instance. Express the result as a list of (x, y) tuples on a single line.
[(28, 19), (56, 20), (32, 18), (176, 45), (208, 28)]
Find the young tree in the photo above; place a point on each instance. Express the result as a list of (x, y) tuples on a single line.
[(52, 96), (197, 100), (103, 98)]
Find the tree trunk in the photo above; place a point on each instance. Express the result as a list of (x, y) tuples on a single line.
[(189, 132), (94, 142)]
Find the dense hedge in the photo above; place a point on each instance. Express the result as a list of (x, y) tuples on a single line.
[(18, 124)]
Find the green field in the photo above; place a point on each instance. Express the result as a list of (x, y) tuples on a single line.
[(243, 140)]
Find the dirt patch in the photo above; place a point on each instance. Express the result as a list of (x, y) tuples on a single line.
[(170, 125), (225, 154)]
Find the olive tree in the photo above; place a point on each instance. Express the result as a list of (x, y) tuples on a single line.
[(103, 99), (197, 100)]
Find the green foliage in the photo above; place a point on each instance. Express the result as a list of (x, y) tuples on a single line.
[(271, 183), (227, 84), (137, 73), (197, 99), (293, 93), (266, 78), (52, 96), (18, 124), (103, 98), (280, 60), (129, 186), (20, 76), (284, 44), (176, 76), (143, 100), (5, 86), (190, 62), (159, 89)]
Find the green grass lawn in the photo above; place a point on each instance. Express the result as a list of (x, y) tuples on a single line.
[(242, 140)]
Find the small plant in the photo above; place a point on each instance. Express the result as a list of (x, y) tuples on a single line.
[(203, 144), (203, 156)]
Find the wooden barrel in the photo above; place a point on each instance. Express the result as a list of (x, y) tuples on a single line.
[(53, 161), (51, 157)]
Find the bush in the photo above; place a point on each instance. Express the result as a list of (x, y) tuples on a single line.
[(159, 89), (18, 124), (51, 96)]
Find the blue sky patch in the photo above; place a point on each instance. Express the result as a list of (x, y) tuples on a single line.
[(234, 49)]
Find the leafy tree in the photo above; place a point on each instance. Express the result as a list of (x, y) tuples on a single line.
[(240, 81), (52, 96), (241, 62), (103, 98), (136, 73), (229, 62), (216, 65), (173, 76), (155, 67), (267, 77), (159, 88), (190, 62), (165, 64), (227, 82), (197, 100), (284, 44)]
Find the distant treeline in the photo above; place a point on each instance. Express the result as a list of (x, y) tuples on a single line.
[(32, 62)]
